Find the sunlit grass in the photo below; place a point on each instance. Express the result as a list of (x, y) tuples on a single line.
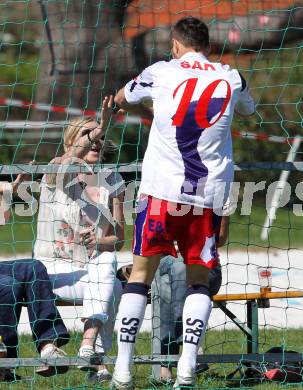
[(217, 342)]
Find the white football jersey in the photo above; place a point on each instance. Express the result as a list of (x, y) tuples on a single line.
[(189, 154)]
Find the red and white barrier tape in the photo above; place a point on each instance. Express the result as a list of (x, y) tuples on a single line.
[(262, 137), (66, 110), (129, 119), (47, 107)]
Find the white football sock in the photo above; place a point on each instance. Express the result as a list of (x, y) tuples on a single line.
[(196, 312), (131, 314)]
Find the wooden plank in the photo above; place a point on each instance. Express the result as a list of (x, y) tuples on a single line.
[(253, 296), (224, 297), (230, 297)]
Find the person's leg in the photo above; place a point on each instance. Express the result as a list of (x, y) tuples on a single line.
[(215, 280), (11, 297), (70, 284), (47, 327), (196, 312), (92, 287), (104, 338), (166, 333), (98, 295), (131, 314), (31, 286), (172, 295), (178, 287), (151, 239), (198, 248), (44, 318)]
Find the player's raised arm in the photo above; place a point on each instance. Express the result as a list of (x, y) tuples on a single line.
[(131, 97), (245, 105)]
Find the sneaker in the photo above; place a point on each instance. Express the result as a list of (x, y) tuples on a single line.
[(11, 376), (201, 367), (88, 353), (168, 382), (52, 352), (101, 376), (122, 382), (164, 378), (184, 379)]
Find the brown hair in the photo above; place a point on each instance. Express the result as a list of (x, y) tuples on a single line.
[(192, 32)]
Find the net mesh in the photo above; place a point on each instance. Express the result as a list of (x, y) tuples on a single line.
[(58, 59)]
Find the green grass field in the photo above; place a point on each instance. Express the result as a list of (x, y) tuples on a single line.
[(217, 342), (18, 236)]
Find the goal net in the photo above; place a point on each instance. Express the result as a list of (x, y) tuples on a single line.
[(58, 59)]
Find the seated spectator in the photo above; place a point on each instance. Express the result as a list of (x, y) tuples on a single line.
[(26, 282), (80, 226)]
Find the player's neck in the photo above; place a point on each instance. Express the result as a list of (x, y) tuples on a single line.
[(189, 51)]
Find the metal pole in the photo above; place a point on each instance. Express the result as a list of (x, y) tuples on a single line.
[(252, 323), (271, 216), (155, 313)]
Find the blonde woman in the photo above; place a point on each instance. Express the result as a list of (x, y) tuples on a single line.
[(80, 226)]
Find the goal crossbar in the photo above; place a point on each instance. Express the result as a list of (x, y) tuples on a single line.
[(37, 169)]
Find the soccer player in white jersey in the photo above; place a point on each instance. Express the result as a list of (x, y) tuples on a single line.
[(186, 174)]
